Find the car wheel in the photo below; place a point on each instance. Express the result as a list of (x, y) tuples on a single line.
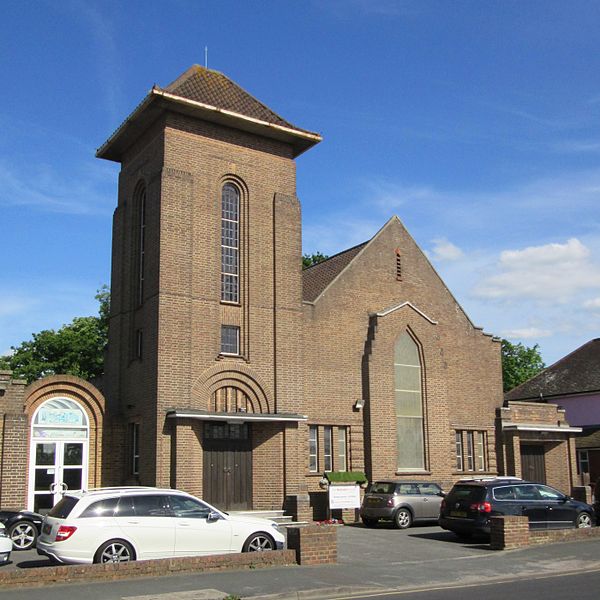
[(259, 542), (403, 518), (23, 535), (369, 522), (114, 551), (583, 521)]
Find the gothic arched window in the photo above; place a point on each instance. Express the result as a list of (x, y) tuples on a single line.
[(409, 405)]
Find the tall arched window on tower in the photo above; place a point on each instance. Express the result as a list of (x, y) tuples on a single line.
[(409, 405), (140, 205), (230, 243)]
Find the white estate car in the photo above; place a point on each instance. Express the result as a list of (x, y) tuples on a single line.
[(122, 524), (5, 546)]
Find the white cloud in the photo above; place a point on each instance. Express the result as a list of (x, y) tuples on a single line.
[(444, 250), (576, 146), (527, 333), (44, 187), (12, 304), (552, 272), (593, 304)]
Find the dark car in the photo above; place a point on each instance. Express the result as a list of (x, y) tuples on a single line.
[(470, 504), (402, 502), (22, 527)]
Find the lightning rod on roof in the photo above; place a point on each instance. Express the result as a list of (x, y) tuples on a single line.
[(206, 57)]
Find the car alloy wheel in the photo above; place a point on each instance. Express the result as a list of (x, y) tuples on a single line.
[(403, 518), (259, 542), (115, 551), (584, 520), (23, 535)]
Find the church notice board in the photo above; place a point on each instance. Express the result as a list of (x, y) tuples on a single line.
[(344, 496)]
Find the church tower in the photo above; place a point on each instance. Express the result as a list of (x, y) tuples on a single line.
[(205, 341)]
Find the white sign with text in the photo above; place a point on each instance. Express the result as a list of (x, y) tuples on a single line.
[(344, 496)]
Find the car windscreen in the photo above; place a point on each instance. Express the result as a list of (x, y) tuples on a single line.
[(62, 509), (468, 493)]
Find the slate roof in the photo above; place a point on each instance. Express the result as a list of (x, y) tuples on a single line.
[(588, 438), (317, 277), (215, 89), (576, 373)]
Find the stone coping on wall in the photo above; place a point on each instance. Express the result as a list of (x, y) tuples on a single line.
[(42, 576)]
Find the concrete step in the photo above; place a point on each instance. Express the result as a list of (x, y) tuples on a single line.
[(274, 515)]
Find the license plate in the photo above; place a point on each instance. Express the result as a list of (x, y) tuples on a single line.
[(373, 500), (458, 513), (47, 528)]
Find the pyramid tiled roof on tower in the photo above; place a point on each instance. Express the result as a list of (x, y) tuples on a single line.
[(209, 95)]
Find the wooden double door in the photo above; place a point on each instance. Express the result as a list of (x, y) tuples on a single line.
[(227, 465)]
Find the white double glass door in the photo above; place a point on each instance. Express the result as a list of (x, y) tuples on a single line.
[(56, 466)]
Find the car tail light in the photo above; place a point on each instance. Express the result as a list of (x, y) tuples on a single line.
[(390, 502), (484, 507), (65, 532)]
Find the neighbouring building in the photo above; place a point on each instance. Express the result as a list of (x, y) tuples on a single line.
[(237, 376), (573, 383)]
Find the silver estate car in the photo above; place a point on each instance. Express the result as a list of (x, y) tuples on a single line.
[(402, 502)]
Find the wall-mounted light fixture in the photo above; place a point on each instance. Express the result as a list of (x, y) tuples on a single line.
[(360, 403)]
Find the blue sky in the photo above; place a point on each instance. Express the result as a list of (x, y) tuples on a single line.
[(476, 122)]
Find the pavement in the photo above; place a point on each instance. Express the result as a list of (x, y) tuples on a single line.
[(370, 561)]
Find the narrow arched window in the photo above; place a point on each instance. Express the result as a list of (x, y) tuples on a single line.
[(230, 243), (141, 244), (409, 405)]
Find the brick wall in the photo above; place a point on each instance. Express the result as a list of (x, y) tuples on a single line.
[(559, 448), (509, 533), (313, 545), (349, 355), (37, 577)]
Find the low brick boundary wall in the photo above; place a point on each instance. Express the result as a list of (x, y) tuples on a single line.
[(314, 544), (40, 576), (508, 533)]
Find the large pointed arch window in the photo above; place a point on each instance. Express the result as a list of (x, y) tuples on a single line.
[(230, 243), (409, 405)]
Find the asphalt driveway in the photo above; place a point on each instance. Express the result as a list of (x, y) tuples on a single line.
[(357, 544)]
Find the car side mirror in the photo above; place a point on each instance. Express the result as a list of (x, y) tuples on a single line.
[(442, 493), (213, 516)]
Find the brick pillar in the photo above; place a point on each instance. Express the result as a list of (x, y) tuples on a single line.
[(507, 533), (298, 505), (314, 545)]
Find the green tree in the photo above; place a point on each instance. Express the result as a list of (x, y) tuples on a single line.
[(308, 260), (519, 363), (75, 349)]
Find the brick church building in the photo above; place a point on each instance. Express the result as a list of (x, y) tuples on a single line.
[(235, 375)]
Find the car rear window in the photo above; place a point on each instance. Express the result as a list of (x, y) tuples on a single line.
[(470, 493), (62, 509), (382, 487)]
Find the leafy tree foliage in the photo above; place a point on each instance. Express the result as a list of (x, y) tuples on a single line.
[(519, 363), (308, 260), (75, 349)]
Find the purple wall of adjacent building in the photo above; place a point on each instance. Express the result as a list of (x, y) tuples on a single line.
[(580, 410)]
